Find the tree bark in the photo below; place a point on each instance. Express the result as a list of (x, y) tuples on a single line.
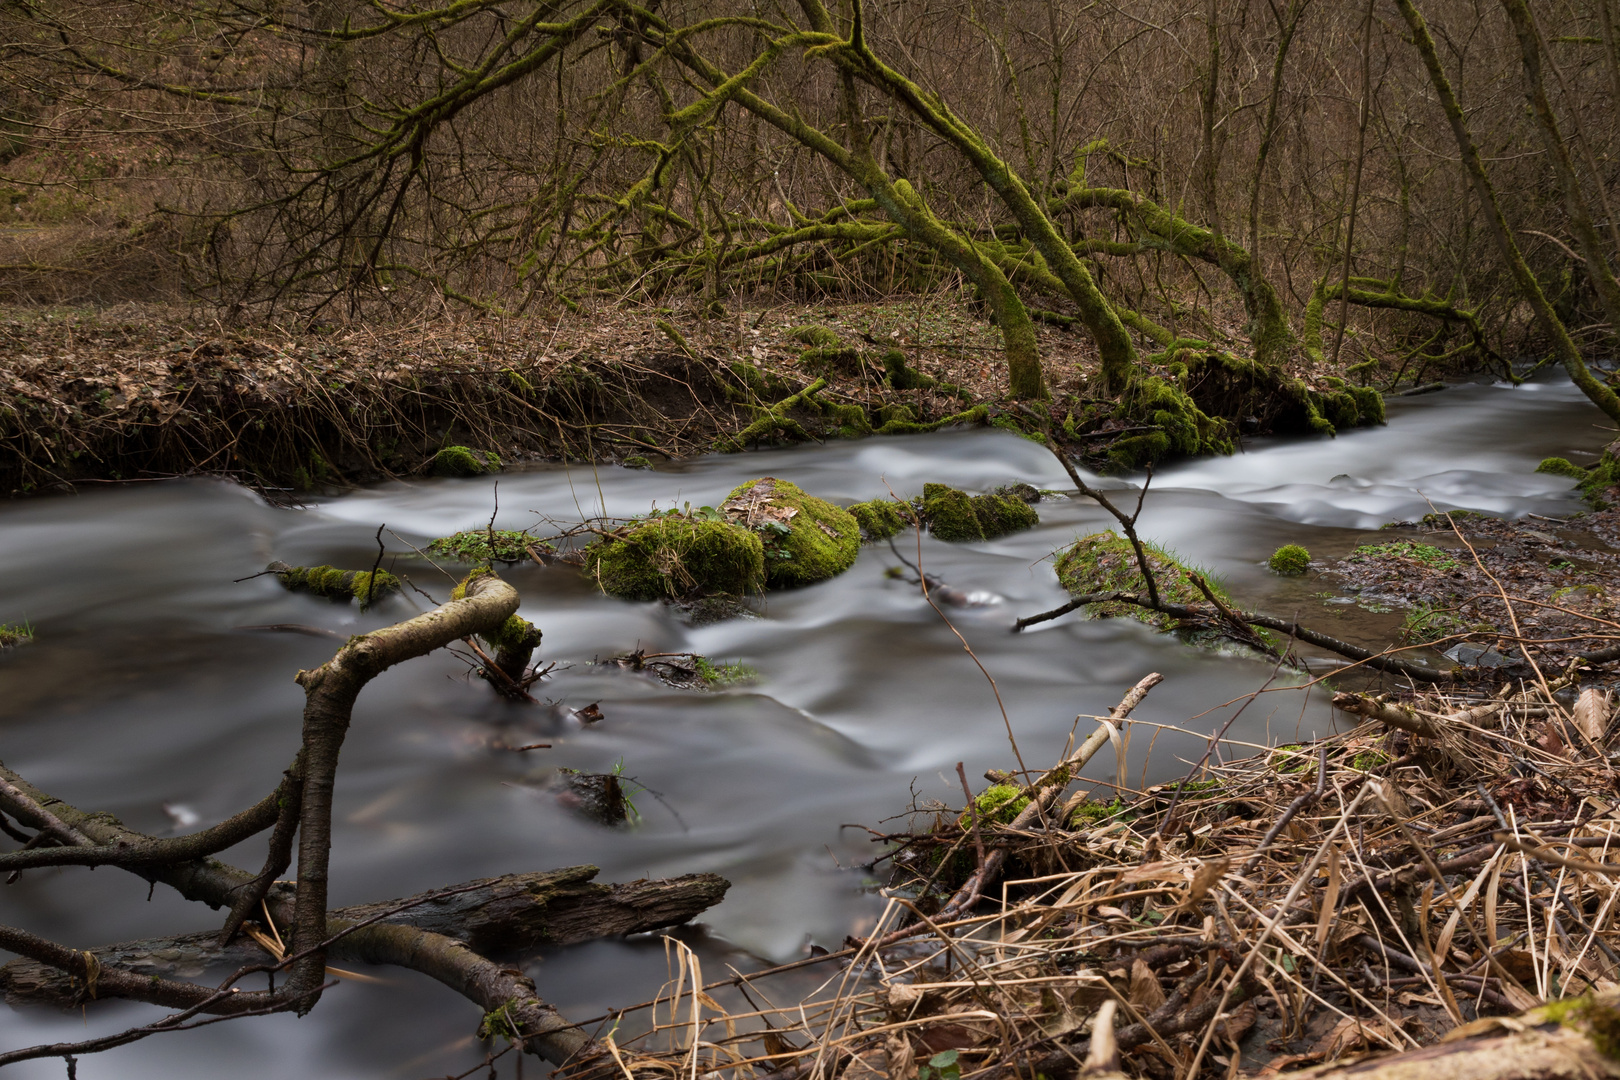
[(553, 908)]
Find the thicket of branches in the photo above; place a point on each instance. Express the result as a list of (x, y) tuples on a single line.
[(1158, 174)]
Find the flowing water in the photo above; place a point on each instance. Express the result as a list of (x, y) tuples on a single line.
[(139, 696)]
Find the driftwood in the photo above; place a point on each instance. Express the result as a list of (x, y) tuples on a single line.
[(440, 939), (492, 915)]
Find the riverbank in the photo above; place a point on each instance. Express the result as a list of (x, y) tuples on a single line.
[(132, 393)]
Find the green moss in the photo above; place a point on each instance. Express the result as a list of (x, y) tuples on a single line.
[(1596, 1016), (473, 546), (717, 675), (1290, 559), (902, 377), (956, 516), (840, 359), (1427, 554), (1106, 562), (335, 584), (460, 461), (459, 592), (515, 634), (14, 634), (636, 461), (1558, 466), (1091, 813), (817, 337), (849, 421), (805, 539), (675, 556), (1019, 426), (998, 804), (1291, 758), (1368, 760), (879, 519)]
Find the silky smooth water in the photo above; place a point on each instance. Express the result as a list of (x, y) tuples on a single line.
[(139, 692)]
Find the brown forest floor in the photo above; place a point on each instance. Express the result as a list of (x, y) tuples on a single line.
[(133, 391)]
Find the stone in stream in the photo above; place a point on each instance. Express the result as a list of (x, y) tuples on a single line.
[(767, 534), (956, 515)]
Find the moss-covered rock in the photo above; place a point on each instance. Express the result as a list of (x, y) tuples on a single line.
[(1106, 562), (1290, 559), (460, 461), (1594, 483), (879, 519), (335, 584), (805, 539), (957, 516), (678, 556), (14, 634), (1558, 466)]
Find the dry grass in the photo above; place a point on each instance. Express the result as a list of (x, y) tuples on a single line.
[(1368, 892)]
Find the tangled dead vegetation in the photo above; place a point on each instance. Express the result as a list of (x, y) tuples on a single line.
[(1451, 858)]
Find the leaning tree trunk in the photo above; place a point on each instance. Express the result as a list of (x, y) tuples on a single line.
[(1547, 319)]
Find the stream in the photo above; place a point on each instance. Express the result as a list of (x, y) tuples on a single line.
[(139, 697)]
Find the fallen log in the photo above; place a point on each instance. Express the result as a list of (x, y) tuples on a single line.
[(1574, 1039), (491, 915)]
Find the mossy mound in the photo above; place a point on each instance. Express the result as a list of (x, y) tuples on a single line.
[(460, 461), (475, 546), (817, 337), (879, 519), (1594, 483), (1290, 560), (1106, 562), (335, 584), (957, 516), (677, 556), (1558, 466), (14, 634), (836, 359), (901, 376), (804, 539)]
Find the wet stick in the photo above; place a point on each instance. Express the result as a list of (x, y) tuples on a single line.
[(1043, 793)]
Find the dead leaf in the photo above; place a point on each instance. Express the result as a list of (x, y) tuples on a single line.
[(1154, 871), (1550, 741), (1145, 992), (1592, 713), (1204, 879)]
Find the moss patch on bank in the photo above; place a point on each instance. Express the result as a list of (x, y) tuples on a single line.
[(1596, 484)]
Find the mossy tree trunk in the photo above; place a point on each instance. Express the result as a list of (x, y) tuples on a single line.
[(1575, 205), (1269, 330), (1096, 313), (1547, 319), (900, 202)]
